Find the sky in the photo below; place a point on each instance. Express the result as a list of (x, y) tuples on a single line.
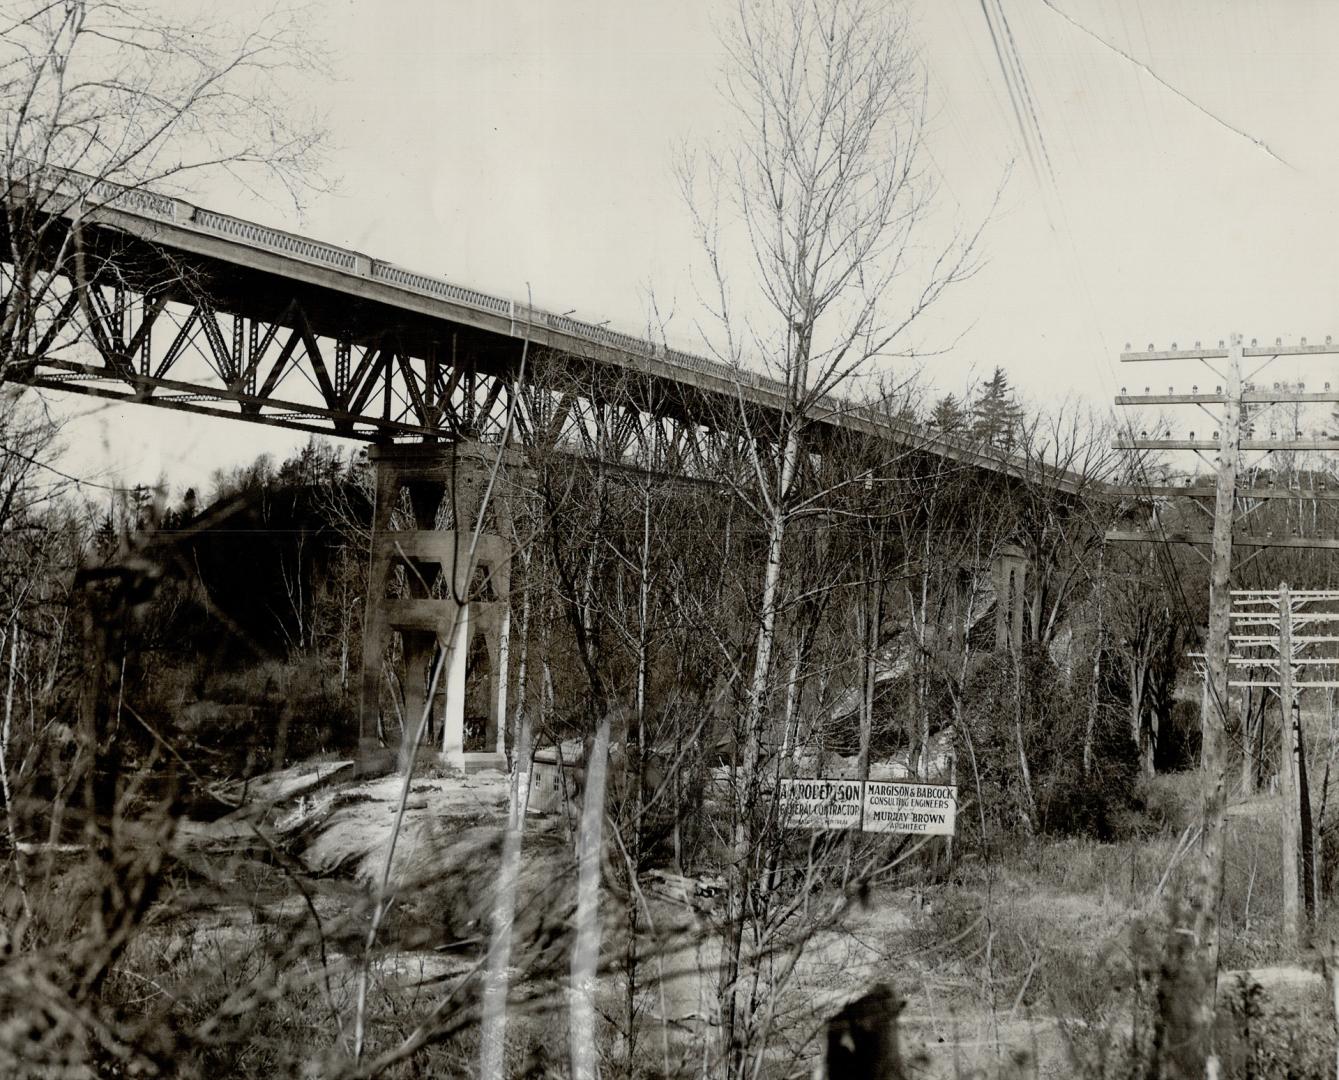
[(1169, 176)]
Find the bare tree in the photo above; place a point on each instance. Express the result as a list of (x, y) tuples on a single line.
[(1145, 633), (113, 103), (828, 195)]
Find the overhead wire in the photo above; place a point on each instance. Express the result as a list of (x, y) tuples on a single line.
[(63, 475), (1011, 67)]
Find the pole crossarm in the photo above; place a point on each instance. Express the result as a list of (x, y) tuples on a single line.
[(1212, 444), (1186, 536), (1249, 397), (1269, 661), (1206, 491), (1328, 348), (1324, 684), (1256, 639), (1255, 596)]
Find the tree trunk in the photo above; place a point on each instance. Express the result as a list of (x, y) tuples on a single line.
[(1094, 699), (733, 1003), (1025, 773), (870, 619), (493, 1008), (586, 945)]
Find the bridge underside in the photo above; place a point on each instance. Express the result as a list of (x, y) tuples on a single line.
[(218, 317)]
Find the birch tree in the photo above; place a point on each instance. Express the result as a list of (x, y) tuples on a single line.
[(825, 192)]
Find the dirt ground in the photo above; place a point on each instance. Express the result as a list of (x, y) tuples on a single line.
[(1013, 979)]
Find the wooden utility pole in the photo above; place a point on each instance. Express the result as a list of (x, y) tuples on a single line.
[(1204, 893), (1194, 982), (1288, 629), (1287, 770), (1310, 863)]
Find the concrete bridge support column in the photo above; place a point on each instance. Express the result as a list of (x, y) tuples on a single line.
[(423, 587), (1009, 572)]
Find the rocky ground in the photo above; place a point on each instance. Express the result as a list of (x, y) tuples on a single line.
[(1029, 968)]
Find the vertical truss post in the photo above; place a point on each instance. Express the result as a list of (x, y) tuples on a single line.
[(252, 363), (118, 314), (342, 349), (239, 357), (146, 334)]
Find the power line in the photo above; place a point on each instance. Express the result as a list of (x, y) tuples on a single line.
[(63, 475)]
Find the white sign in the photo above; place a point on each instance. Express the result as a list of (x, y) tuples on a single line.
[(820, 804), (930, 809), (924, 809)]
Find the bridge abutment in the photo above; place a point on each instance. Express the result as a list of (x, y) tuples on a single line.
[(427, 589)]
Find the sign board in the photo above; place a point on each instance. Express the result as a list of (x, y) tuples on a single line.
[(930, 809), (821, 804), (888, 806)]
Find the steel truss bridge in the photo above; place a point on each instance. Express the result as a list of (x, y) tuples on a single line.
[(184, 308)]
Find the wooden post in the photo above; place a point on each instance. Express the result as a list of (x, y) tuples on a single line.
[(1287, 771), (1194, 983), (1220, 609), (1310, 890)]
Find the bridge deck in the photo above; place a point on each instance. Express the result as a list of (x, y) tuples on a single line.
[(205, 312)]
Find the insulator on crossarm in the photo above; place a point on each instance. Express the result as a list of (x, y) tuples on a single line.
[(1173, 346), (1127, 346), (1278, 341), (1304, 341), (1217, 389), (1252, 341)]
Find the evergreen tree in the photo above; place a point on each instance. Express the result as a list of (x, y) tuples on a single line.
[(948, 414), (995, 413)]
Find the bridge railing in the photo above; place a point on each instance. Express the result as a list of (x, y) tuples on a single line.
[(432, 286), (261, 236)]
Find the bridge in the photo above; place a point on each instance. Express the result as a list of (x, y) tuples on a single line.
[(185, 308)]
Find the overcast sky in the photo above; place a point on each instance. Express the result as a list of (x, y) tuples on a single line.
[(1177, 192)]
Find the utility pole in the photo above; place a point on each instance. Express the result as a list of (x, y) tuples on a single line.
[(1196, 986), (1285, 626), (1287, 769)]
